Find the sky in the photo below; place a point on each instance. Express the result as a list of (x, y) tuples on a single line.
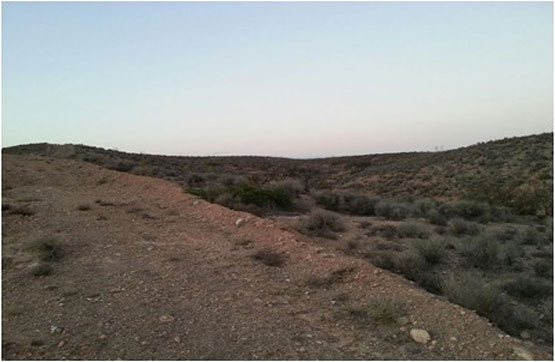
[(276, 79)]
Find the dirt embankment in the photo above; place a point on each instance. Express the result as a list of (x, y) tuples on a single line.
[(145, 271)]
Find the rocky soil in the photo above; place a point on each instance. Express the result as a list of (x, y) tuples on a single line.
[(146, 271)]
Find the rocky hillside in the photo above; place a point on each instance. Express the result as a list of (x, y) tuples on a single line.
[(515, 172)]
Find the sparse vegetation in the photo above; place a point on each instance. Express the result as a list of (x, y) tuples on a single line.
[(380, 310), (528, 287), (435, 218), (461, 227), (470, 291), (46, 248), (329, 280), (21, 210), (413, 230), (347, 202), (482, 251), (387, 231), (544, 268), (393, 210), (83, 207), (385, 310), (490, 205), (102, 181), (42, 270), (104, 202), (432, 250), (269, 258)]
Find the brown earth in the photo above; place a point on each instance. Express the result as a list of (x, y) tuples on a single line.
[(149, 272)]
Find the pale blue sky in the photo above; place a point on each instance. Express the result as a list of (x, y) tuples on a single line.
[(281, 79)]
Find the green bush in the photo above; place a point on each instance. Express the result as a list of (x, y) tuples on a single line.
[(121, 165), (262, 197), (387, 231), (435, 218), (209, 194), (469, 210), (83, 207), (413, 230), (329, 200), (394, 210), (357, 204), (41, 270), (383, 259), (269, 258), (347, 202), (460, 227), (385, 310), (472, 292), (322, 223), (293, 187), (46, 248), (411, 264), (532, 237), (432, 250), (506, 234), (328, 281), (528, 287), (242, 196), (425, 206), (511, 253), (481, 251), (544, 268)]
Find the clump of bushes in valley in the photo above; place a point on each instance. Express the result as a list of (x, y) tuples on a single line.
[(461, 227), (482, 251), (529, 287), (393, 210), (248, 197), (322, 223), (347, 202), (473, 292), (432, 250), (413, 230)]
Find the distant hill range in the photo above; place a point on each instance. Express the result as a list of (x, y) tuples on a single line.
[(515, 172)]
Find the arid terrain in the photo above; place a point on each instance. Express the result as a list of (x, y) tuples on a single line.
[(100, 263)]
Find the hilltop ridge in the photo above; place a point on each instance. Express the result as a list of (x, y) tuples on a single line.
[(514, 172)]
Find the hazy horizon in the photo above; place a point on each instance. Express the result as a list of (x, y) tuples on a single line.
[(299, 80), (438, 149)]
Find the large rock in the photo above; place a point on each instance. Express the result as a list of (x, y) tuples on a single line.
[(420, 335), (523, 353)]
